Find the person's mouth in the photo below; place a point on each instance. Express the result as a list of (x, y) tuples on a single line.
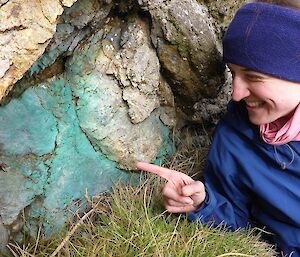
[(254, 104)]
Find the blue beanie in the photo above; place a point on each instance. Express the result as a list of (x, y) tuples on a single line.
[(265, 38)]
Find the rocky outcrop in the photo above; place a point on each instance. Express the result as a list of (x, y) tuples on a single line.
[(118, 92), (3, 237), (89, 87), (76, 132), (26, 28), (188, 49)]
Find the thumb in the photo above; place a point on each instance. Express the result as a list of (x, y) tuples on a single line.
[(196, 191)]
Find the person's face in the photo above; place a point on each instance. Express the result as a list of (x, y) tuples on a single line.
[(267, 98)]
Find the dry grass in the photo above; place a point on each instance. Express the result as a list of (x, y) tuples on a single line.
[(131, 222)]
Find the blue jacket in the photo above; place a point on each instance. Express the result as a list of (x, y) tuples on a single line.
[(247, 183)]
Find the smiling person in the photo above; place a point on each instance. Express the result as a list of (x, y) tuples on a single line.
[(252, 174)]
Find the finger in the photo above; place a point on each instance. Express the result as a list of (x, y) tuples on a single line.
[(196, 191), (170, 193), (196, 187), (170, 202), (160, 171), (176, 177), (183, 209)]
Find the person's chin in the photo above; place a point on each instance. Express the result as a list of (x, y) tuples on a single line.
[(258, 123), (258, 120)]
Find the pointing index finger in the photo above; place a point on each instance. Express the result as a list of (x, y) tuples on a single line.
[(160, 171)]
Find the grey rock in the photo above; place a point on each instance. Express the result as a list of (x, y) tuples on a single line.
[(118, 76), (137, 69), (188, 49), (3, 236), (74, 25)]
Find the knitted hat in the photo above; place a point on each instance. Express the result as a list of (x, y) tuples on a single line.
[(265, 38)]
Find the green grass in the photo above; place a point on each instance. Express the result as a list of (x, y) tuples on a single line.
[(132, 222)]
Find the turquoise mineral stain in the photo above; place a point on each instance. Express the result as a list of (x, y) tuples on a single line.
[(26, 127), (51, 159)]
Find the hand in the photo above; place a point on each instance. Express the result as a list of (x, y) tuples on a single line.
[(181, 193)]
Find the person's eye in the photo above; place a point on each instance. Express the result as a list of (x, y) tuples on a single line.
[(254, 78)]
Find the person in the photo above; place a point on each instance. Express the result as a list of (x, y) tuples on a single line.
[(295, 4), (252, 173)]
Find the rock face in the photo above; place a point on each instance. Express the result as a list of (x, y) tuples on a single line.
[(89, 87), (188, 49), (26, 28), (117, 92), (3, 237)]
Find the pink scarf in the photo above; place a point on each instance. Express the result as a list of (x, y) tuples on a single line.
[(283, 130)]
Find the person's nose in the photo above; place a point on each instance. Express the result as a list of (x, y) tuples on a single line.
[(240, 89)]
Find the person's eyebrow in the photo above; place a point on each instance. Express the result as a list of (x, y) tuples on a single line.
[(256, 73), (259, 75)]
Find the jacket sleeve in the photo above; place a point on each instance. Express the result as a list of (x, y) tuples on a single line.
[(295, 252), (219, 208), (286, 250), (227, 200)]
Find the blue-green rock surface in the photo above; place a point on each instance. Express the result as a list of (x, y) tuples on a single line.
[(44, 152), (69, 136), (98, 98)]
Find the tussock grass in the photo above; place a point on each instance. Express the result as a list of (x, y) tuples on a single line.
[(132, 222)]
